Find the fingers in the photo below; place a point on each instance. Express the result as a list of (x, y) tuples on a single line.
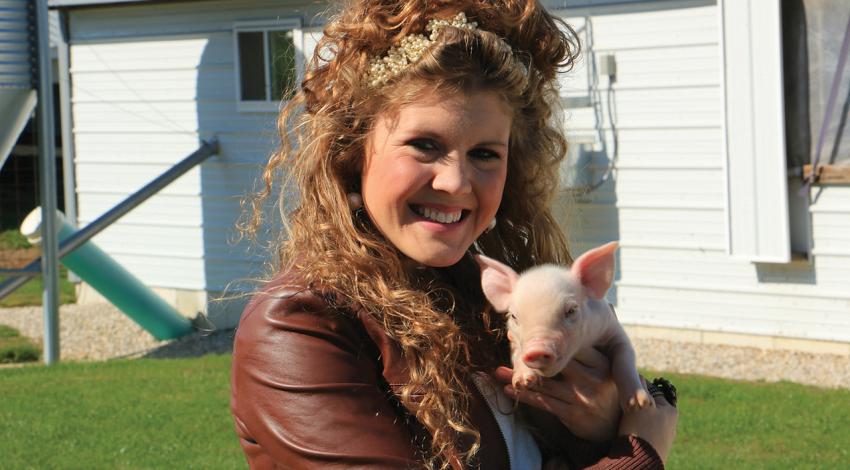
[(575, 371), (541, 400), (575, 384), (551, 394), (567, 391), (586, 404), (503, 374)]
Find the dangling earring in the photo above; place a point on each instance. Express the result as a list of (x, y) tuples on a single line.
[(355, 201), (491, 225)]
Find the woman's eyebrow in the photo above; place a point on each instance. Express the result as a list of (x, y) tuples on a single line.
[(440, 135), (494, 143), (437, 134)]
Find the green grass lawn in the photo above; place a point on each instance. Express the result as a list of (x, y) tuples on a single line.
[(16, 348), (725, 424), (149, 413), (31, 292), (12, 239), (129, 414)]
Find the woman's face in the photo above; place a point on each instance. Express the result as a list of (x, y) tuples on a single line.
[(434, 173)]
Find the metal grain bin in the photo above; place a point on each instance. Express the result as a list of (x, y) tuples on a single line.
[(17, 70)]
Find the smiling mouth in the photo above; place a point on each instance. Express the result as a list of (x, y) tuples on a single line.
[(435, 215)]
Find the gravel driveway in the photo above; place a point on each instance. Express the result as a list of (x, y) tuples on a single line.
[(100, 331)]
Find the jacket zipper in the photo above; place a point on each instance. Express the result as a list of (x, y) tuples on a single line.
[(505, 441), (478, 386)]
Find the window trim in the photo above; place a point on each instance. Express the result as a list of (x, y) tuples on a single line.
[(755, 183), (281, 24)]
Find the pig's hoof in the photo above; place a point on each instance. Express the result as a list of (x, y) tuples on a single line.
[(526, 380)]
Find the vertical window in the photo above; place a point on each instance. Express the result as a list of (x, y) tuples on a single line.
[(282, 66), (268, 60), (252, 67)]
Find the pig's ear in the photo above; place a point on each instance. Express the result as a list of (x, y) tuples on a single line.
[(595, 269), (498, 281)]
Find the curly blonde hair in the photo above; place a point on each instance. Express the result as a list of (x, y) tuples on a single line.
[(515, 52)]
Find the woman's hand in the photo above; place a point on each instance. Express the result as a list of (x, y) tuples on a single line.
[(656, 424), (583, 396)]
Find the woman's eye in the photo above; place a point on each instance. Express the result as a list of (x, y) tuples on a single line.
[(423, 144), (485, 154)]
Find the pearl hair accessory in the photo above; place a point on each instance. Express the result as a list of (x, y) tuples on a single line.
[(410, 50)]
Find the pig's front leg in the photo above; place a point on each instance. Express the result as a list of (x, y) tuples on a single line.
[(624, 371), (524, 376)]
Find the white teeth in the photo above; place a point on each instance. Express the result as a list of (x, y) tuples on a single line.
[(437, 216)]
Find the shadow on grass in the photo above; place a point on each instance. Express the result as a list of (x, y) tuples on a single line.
[(195, 345)]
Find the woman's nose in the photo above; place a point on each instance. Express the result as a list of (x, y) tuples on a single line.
[(452, 177)]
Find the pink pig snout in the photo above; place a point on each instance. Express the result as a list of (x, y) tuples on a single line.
[(539, 355)]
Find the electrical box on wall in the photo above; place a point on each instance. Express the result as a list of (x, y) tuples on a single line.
[(608, 66)]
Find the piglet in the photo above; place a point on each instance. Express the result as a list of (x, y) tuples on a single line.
[(556, 313)]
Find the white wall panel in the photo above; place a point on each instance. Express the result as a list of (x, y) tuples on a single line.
[(648, 28), (135, 240), (674, 108), (125, 22), (187, 116), (165, 271), (667, 205), (164, 210), (144, 76), (116, 178), (159, 148), (149, 81), (741, 312), (153, 53)]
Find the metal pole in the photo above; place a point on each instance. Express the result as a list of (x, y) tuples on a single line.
[(65, 122), (64, 76), (47, 188), (206, 150), (35, 271)]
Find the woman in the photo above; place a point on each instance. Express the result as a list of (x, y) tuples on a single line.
[(422, 130)]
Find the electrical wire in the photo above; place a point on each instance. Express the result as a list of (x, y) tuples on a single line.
[(599, 117), (163, 125), (172, 124), (615, 143)]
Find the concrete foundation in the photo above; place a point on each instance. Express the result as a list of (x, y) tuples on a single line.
[(739, 339), (223, 313)]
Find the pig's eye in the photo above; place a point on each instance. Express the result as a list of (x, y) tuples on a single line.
[(570, 311)]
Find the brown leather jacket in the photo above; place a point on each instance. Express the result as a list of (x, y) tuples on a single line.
[(314, 386)]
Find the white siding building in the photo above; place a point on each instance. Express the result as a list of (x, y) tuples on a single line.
[(152, 78)]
